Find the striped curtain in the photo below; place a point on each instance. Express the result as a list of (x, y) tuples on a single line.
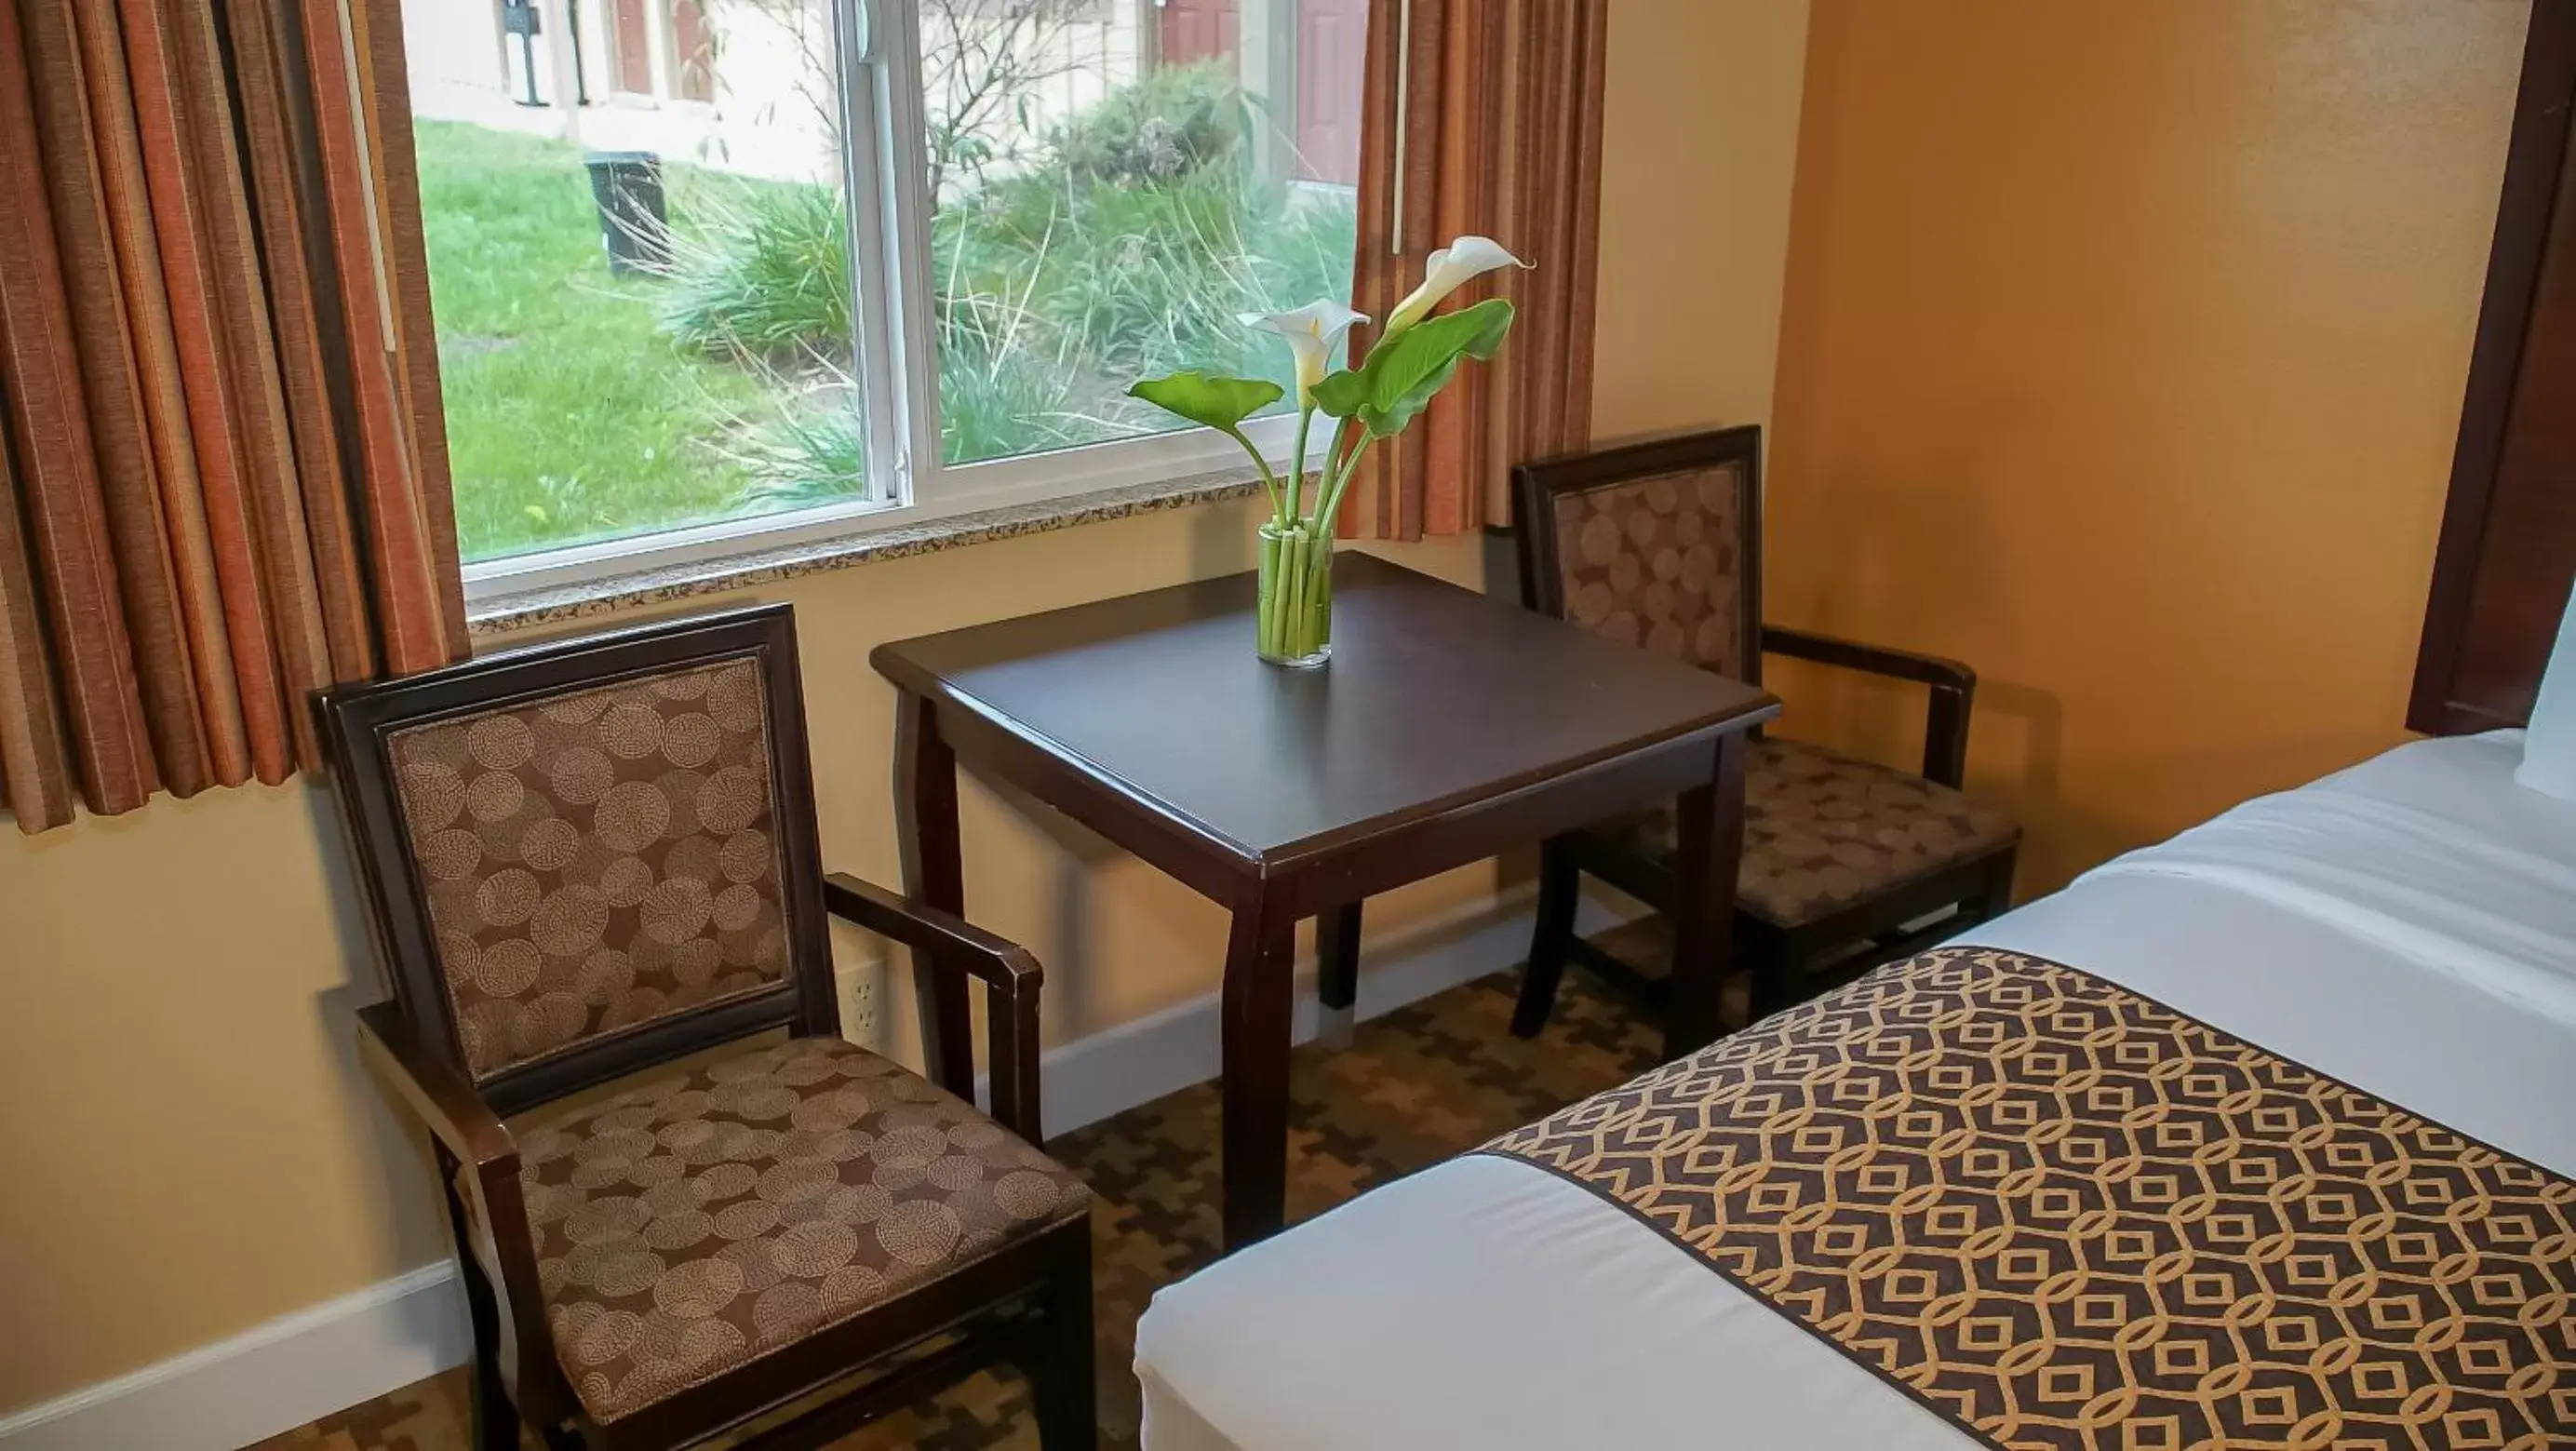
[(1482, 118), (223, 470)]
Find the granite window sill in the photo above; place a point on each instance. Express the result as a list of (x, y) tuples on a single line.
[(502, 614)]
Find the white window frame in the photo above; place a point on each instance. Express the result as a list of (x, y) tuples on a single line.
[(881, 89)]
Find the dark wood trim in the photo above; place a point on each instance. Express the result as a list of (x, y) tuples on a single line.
[(445, 1102), (951, 947), (934, 874), (1259, 994), (1064, 1382), (1712, 847), (1953, 689), (1337, 957), (1552, 939), (2535, 157)]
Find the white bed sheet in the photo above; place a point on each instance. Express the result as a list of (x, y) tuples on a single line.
[(2408, 926)]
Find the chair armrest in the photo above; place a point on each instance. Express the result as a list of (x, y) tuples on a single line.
[(997, 960), (444, 1101), (472, 1136), (1933, 670), (1954, 689), (951, 944)]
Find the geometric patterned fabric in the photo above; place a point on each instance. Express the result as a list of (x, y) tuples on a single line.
[(715, 1214), (2066, 1216), (1658, 563), (1823, 831), (596, 860)]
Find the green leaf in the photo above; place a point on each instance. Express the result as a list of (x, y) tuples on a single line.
[(1401, 374), (1216, 402)]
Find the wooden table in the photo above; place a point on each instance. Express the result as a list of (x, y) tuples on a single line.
[(1447, 728)]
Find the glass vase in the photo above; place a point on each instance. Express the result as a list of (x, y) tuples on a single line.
[(1294, 611)]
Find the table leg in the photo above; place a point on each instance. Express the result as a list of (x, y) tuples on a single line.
[(1260, 983), (1337, 974), (925, 812), (1712, 847)]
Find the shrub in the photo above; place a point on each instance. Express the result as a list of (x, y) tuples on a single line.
[(768, 274), (806, 459), (1129, 247), (1177, 119)]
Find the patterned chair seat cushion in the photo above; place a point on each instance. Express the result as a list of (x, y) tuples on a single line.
[(1823, 830), (712, 1215)]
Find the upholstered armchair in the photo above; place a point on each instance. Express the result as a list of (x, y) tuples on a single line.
[(682, 1203), (1659, 545)]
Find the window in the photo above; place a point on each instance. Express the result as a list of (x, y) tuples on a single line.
[(709, 272)]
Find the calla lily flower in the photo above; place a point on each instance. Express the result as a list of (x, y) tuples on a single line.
[(1313, 333), (1451, 268)]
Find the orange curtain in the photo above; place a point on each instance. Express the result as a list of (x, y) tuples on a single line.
[(223, 472), (1482, 116)]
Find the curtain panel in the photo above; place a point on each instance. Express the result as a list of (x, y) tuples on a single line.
[(223, 471), (1481, 116)]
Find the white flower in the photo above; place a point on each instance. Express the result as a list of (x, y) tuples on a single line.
[(1313, 332), (1451, 268)]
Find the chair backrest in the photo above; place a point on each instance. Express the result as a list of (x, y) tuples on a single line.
[(593, 854), (1657, 545)]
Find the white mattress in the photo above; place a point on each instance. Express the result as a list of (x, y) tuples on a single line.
[(2408, 926)]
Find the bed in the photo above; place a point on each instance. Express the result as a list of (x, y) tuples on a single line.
[(2407, 926), (2385, 960)]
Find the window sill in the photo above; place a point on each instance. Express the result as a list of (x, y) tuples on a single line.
[(503, 614)]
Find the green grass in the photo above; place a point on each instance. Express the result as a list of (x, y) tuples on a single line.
[(571, 415), (583, 406)]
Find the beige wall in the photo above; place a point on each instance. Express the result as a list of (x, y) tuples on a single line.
[(2122, 356), (1699, 142), (188, 1149)]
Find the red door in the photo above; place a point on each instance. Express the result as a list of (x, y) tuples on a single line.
[(632, 51), (1198, 30), (693, 52), (1332, 54)]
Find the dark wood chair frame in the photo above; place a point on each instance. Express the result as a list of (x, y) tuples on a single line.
[(1029, 1304), (1839, 945)]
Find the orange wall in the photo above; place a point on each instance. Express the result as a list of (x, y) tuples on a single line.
[(2121, 357)]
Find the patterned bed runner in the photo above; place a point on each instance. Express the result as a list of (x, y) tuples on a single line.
[(2064, 1216)]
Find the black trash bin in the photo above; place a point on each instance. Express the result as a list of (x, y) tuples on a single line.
[(627, 185)]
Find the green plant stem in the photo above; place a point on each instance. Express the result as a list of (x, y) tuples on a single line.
[(1317, 572), (1337, 474), (1293, 596), (1269, 480), (1297, 464), (1274, 549)]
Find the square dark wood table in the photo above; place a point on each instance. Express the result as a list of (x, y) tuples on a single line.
[(1447, 728)]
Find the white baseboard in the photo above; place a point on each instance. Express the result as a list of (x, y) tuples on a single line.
[(330, 1356), (268, 1379), (1087, 1080)]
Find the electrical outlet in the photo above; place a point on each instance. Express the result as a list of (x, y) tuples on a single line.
[(862, 989)]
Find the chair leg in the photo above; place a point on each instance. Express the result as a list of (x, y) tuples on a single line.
[(1996, 900), (496, 1420), (1560, 886), (1769, 979), (1062, 1378)]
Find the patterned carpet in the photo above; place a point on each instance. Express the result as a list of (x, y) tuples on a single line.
[(1417, 1086)]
